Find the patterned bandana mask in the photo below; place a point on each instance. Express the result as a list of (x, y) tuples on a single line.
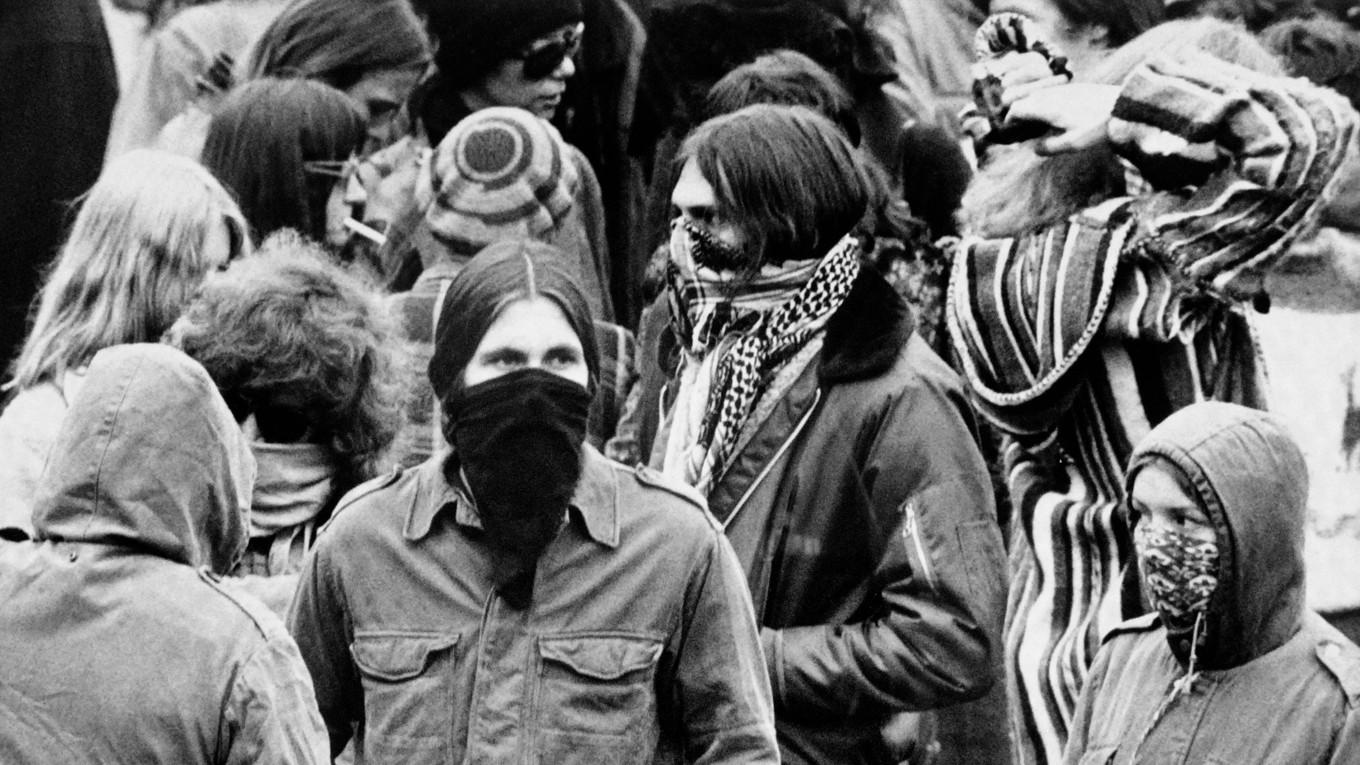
[(1180, 574), (764, 321)]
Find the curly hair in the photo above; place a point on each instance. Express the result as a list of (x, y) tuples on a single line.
[(289, 333)]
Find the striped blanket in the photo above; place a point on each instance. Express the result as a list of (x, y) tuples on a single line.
[(1078, 338)]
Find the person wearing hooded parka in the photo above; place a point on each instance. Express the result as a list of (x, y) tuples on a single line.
[(1229, 667), (118, 641)]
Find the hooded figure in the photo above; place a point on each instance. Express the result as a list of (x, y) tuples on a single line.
[(117, 643), (1229, 666)]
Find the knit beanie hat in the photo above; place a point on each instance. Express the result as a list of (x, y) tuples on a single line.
[(501, 173), (475, 35)]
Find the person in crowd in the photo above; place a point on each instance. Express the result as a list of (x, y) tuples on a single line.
[(375, 51), (1325, 50), (147, 234), (1229, 666), (118, 641), (502, 173), (495, 53), (595, 116), (307, 359), (1085, 31), (694, 43), (58, 89), (1116, 295), (561, 607), (834, 448), (1256, 15), (284, 149), (173, 66)]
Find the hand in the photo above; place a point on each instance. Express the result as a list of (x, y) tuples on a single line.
[(1079, 112), (1018, 70), (389, 178)]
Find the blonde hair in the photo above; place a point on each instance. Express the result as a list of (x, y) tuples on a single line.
[(1018, 191), (131, 263)]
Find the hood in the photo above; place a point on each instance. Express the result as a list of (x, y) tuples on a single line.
[(149, 458), (1250, 476)]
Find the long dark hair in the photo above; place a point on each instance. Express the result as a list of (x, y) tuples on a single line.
[(261, 136), (787, 176), (340, 41)]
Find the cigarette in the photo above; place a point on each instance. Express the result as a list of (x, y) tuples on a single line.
[(367, 232)]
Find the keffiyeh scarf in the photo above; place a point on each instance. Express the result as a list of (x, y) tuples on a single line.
[(736, 334)]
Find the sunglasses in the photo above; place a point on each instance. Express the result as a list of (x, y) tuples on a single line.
[(543, 59)]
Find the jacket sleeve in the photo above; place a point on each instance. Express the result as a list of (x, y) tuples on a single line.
[(941, 573), (1260, 156), (271, 713), (721, 689), (318, 620), (1281, 143), (1079, 733)]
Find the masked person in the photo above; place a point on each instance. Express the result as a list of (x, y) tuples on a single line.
[(1229, 666), (308, 361), (1114, 265), (834, 447), (118, 642), (520, 598)]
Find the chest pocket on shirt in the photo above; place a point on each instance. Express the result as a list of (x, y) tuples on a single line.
[(596, 698), (408, 692)]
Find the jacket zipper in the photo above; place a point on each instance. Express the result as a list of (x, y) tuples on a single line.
[(911, 530), (779, 453)]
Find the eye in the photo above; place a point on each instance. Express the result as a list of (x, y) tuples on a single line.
[(561, 358)]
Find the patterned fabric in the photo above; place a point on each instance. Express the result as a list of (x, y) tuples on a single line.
[(772, 317), (1180, 573), (500, 173), (1077, 338)]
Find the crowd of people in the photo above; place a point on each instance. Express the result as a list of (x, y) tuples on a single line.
[(883, 382)]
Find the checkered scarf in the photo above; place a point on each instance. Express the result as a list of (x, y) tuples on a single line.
[(742, 331)]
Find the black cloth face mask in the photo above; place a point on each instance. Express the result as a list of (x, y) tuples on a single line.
[(517, 440)]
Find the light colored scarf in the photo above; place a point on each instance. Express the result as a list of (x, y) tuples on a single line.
[(736, 334)]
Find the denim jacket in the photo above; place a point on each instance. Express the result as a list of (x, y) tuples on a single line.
[(639, 643)]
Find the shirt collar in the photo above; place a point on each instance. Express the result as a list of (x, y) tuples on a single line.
[(595, 502)]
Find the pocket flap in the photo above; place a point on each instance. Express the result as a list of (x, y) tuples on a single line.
[(601, 657), (397, 655)]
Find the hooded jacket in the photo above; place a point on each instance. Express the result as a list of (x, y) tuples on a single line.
[(1275, 683), (117, 642)]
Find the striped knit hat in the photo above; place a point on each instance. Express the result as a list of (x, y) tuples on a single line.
[(501, 173)]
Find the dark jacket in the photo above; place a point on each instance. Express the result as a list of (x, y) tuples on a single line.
[(117, 642), (1279, 685), (862, 513), (58, 90)]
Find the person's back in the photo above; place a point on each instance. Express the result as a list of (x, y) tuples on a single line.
[(117, 643)]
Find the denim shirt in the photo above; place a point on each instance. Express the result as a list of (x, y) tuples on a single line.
[(639, 643)]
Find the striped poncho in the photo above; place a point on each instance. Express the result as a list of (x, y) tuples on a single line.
[(1077, 338)]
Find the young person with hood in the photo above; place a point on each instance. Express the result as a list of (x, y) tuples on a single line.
[(1107, 286), (519, 598), (1230, 666), (118, 641), (834, 447)]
